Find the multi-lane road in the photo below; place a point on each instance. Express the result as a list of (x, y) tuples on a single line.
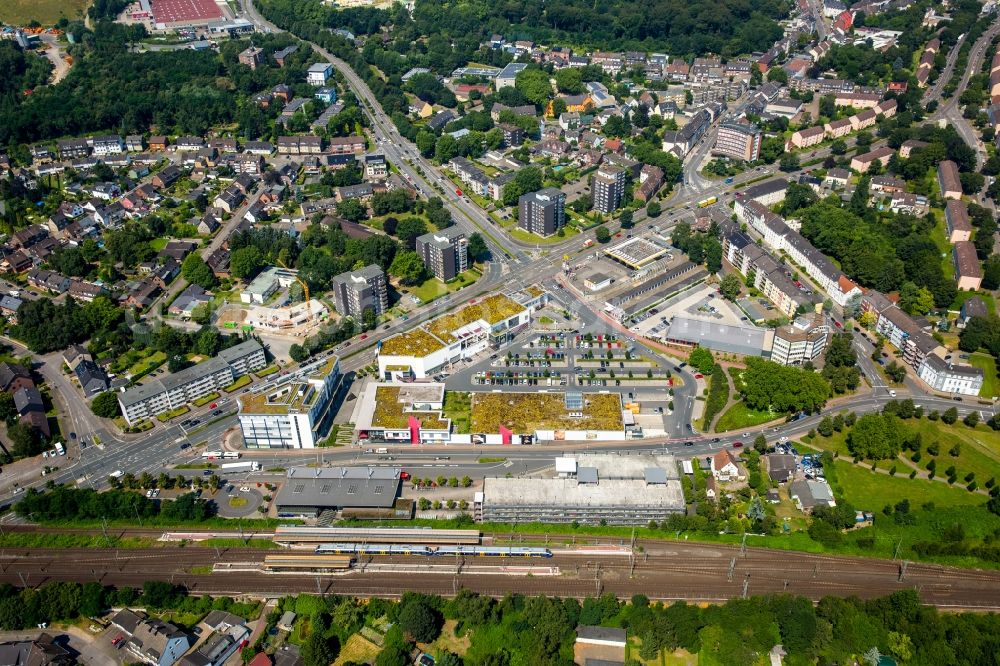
[(661, 570), (515, 265)]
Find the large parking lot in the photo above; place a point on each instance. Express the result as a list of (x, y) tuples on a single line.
[(701, 302)]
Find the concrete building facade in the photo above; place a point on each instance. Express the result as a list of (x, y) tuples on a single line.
[(178, 389), (356, 291), (543, 212), (444, 253)]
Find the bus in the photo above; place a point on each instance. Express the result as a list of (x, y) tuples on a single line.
[(225, 455), (707, 202)]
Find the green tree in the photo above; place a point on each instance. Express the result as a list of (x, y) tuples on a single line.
[(653, 209), (408, 267), (569, 81), (789, 162), (246, 262), (409, 230), (895, 372), (298, 353), (196, 271), (106, 405), (426, 142), (730, 286), (353, 210), (702, 359), (25, 440), (971, 419), (876, 437), (478, 251), (766, 385), (625, 219), (602, 235), (528, 179), (8, 410), (777, 74), (533, 83), (421, 622), (320, 650), (760, 444)]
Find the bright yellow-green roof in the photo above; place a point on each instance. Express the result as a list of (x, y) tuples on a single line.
[(535, 290), (325, 369), (527, 412), (287, 402), (492, 309), (416, 342), (389, 412)]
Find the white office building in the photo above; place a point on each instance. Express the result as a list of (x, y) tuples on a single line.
[(942, 376), (293, 412), (802, 340)]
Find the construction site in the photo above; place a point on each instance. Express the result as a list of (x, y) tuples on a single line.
[(297, 320)]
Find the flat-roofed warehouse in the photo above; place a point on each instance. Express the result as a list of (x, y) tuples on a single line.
[(172, 13), (309, 491), (589, 489), (636, 252), (719, 337)]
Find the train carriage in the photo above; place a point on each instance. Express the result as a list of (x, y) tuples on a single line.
[(297, 534)]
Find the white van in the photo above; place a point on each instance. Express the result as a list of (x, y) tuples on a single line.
[(892, 394), (117, 474)]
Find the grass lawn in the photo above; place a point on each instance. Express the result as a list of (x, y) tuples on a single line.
[(205, 399), (457, 407), (979, 450), (149, 363), (46, 12), (962, 296), (447, 641), (740, 416), (237, 502), (166, 416), (240, 383), (269, 370), (871, 491), (358, 649), (940, 238), (527, 237), (158, 243), (991, 386), (433, 288)]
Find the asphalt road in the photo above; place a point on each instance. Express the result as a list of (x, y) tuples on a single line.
[(950, 108)]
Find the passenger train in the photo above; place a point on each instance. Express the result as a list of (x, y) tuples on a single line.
[(429, 551)]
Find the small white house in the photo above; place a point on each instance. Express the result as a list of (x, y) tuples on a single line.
[(319, 73)]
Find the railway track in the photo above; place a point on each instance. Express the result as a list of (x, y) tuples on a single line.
[(683, 573)]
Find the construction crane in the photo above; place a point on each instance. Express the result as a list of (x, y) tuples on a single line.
[(305, 290)]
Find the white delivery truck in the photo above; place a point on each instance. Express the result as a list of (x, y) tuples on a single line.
[(60, 449), (240, 467)]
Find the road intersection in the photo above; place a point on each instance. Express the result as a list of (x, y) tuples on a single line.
[(515, 264)]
